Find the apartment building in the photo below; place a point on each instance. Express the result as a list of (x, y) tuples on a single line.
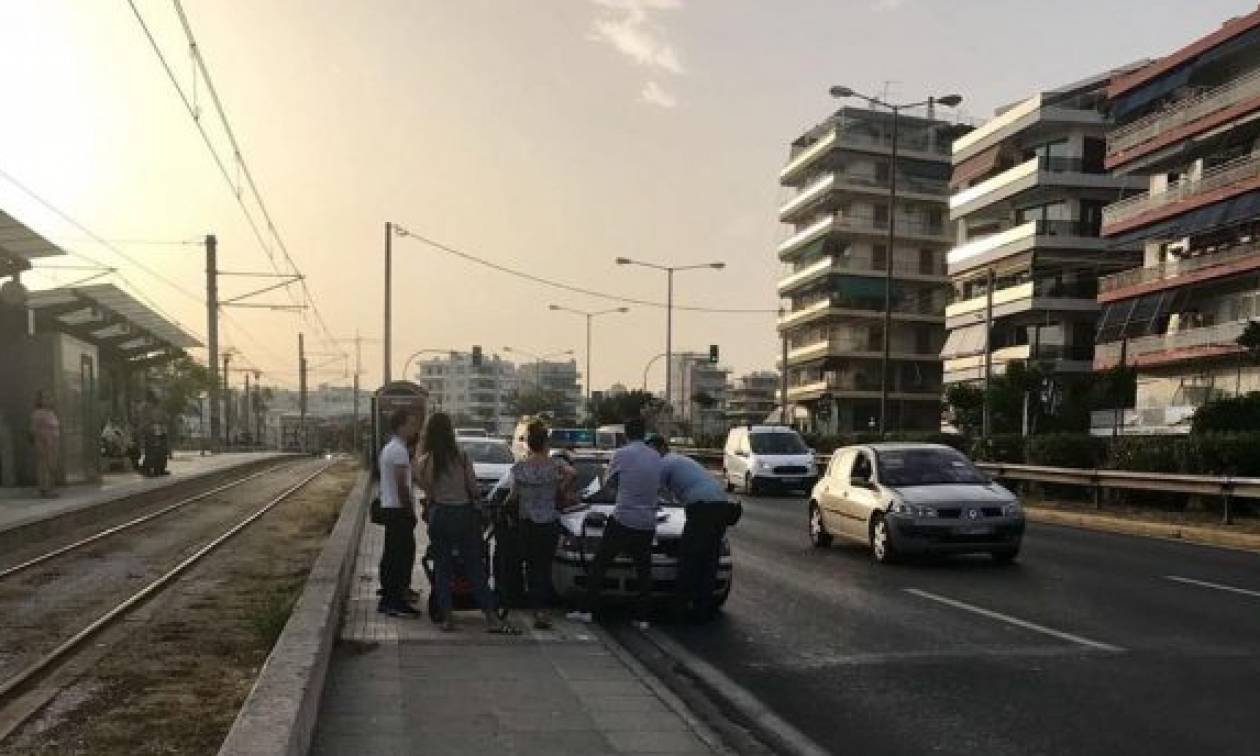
[(1186, 125), (477, 395), (836, 256), (699, 392), (560, 378), (1029, 187), (753, 397)]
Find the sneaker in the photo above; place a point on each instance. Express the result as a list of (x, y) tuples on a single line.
[(643, 625), (583, 617)]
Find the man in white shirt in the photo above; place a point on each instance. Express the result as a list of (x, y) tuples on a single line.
[(399, 510)]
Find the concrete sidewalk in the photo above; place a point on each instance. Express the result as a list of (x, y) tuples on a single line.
[(400, 686), (22, 506)]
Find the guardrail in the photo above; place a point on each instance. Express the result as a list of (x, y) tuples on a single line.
[(1227, 487)]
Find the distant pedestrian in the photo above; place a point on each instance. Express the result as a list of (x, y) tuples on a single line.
[(538, 484), (46, 437), (399, 511), (635, 470), (708, 513), (447, 477)]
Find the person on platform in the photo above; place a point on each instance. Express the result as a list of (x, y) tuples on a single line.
[(708, 513), (398, 509), (46, 437)]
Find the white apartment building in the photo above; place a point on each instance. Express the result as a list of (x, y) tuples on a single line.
[(561, 378), (698, 392), (471, 395)]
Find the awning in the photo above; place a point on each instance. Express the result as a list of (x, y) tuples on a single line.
[(975, 166), (19, 245), (1243, 208), (964, 342), (1176, 75), (112, 320)]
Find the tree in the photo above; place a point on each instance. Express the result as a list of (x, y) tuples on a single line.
[(617, 408), (1249, 340), (1231, 413), (965, 402), (534, 401), (177, 383)]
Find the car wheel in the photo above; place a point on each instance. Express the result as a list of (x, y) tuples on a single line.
[(730, 487), (1005, 556), (881, 541), (818, 534)]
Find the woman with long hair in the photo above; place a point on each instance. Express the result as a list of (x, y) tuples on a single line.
[(446, 475), (539, 484)]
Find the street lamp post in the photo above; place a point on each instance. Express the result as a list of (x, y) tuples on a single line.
[(951, 100), (589, 317), (669, 314)]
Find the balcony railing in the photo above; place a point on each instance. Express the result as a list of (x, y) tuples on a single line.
[(1222, 335), (855, 265), (1176, 269), (1183, 112), (808, 194), (1246, 167)]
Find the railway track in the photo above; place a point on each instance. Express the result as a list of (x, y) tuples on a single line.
[(70, 626)]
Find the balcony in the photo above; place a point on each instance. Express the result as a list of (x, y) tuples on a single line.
[(907, 186), (1184, 118), (1161, 349), (808, 155), (1067, 172), (1131, 283), (851, 133), (810, 233), (986, 250), (806, 274), (1221, 182), (1041, 294), (857, 386), (1023, 174), (806, 197), (916, 230), (808, 311), (905, 270), (856, 348)]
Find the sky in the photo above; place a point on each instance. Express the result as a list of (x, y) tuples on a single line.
[(551, 136)]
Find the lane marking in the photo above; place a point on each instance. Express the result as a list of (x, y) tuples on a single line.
[(1016, 621), (1213, 586)]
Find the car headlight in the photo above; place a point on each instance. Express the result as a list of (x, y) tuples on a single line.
[(911, 510), (764, 466)]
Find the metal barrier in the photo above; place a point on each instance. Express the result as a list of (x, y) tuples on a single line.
[(1226, 487)]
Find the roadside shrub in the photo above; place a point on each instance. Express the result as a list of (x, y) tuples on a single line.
[(1004, 447), (1157, 454), (1065, 450), (1221, 454), (1229, 414)]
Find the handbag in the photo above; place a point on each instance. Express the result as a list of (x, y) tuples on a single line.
[(376, 513)]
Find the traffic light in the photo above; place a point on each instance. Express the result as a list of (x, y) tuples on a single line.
[(476, 356), (713, 353)]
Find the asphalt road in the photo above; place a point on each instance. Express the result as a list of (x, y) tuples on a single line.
[(1084, 646)]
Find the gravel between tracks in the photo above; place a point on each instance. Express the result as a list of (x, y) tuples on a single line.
[(174, 681)]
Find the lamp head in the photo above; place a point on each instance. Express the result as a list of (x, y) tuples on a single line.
[(553, 307), (623, 261), (717, 265), (840, 92), (950, 100)]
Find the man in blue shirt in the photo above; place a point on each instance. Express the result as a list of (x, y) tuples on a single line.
[(708, 514), (635, 470)]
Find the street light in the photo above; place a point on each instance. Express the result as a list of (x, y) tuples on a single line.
[(950, 100), (589, 317), (669, 313)]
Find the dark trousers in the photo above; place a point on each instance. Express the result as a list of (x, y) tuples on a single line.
[(457, 527), (538, 546), (398, 556), (700, 550), (617, 540)]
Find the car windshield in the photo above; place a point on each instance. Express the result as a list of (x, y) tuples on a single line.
[(776, 443), (572, 437), (487, 452), (900, 468)]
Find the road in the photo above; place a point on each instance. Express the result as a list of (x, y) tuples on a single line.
[(1084, 646)]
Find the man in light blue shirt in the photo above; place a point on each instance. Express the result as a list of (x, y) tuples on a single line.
[(636, 472), (708, 515)]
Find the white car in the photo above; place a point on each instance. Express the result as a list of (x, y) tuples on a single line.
[(759, 457), (907, 499), (491, 460)]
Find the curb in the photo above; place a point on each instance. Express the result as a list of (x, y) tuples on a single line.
[(279, 714), (1188, 534)]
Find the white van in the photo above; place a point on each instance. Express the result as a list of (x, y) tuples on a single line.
[(759, 457)]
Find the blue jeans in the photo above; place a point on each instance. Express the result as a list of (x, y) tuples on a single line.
[(457, 527)]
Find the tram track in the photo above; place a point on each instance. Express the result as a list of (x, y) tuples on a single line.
[(46, 614)]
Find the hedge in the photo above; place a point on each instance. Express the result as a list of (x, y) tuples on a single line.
[(1200, 454)]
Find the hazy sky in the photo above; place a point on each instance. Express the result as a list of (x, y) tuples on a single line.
[(553, 135)]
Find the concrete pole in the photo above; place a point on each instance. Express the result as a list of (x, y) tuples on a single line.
[(669, 353), (389, 236), (227, 401), (301, 392), (212, 334)]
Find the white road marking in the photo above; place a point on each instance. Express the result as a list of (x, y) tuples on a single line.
[(1213, 586), (1014, 621)]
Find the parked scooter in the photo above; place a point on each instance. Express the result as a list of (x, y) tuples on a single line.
[(156, 451)]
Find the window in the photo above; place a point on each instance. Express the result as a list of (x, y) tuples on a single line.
[(922, 339), (879, 257), (927, 262), (861, 467), (881, 215)]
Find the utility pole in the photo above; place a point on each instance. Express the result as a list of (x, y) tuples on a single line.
[(258, 415), (783, 386), (227, 401), (354, 432), (389, 236), (212, 333), (301, 392), (985, 419), (245, 419), (669, 356)]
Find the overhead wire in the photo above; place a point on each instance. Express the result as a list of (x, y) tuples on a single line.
[(469, 257)]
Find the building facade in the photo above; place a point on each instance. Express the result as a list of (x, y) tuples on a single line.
[(1029, 187), (1185, 125), (753, 397), (471, 395), (699, 393), (836, 256), (558, 378)]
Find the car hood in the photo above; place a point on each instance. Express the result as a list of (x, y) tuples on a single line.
[(955, 493), (491, 470), (669, 520)]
